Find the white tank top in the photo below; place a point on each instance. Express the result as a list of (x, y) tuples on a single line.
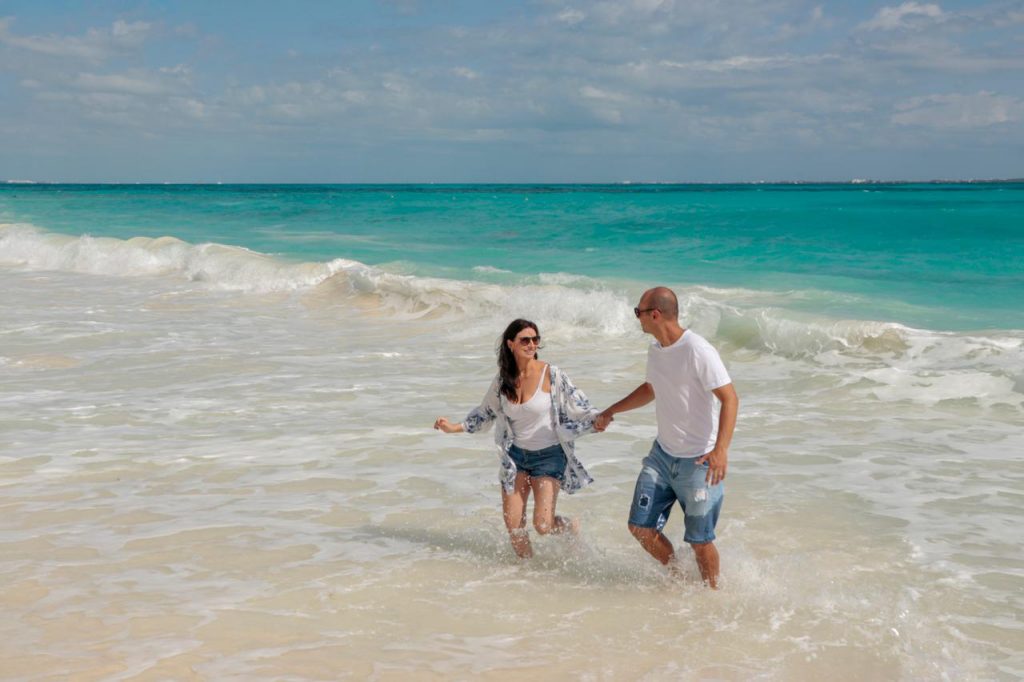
[(531, 421)]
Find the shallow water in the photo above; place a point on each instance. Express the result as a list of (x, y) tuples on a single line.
[(227, 482)]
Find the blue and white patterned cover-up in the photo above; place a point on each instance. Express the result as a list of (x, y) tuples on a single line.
[(572, 415)]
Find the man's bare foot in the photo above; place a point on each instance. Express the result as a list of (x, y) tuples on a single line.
[(675, 571)]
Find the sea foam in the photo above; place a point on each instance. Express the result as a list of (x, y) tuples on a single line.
[(569, 304), (222, 266)]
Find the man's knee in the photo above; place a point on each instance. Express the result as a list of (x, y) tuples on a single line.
[(543, 526), (643, 535), (702, 548)]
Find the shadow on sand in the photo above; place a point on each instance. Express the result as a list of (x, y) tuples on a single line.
[(572, 560)]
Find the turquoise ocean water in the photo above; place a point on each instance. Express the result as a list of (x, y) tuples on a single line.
[(946, 257)]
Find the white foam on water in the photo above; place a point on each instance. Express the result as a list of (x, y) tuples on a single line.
[(743, 317), (490, 269), (225, 267)]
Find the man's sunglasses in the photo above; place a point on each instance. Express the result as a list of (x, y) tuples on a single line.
[(639, 311)]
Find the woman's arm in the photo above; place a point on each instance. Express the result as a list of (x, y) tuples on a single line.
[(577, 414), (442, 424), (480, 418)]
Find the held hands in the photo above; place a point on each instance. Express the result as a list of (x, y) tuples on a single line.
[(602, 421), (718, 462), (442, 424)]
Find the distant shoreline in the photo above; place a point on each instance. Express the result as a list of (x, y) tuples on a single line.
[(621, 184)]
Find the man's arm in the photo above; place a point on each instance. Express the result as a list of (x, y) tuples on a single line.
[(643, 394), (718, 458)]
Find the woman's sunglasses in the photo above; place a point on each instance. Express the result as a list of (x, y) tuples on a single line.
[(527, 340)]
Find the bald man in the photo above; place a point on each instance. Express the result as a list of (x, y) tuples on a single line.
[(688, 460)]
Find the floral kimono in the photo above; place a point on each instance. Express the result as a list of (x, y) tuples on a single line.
[(571, 416)]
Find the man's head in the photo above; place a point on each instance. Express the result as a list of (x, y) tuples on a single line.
[(658, 309)]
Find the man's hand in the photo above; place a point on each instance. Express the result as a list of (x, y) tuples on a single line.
[(718, 462), (602, 421)]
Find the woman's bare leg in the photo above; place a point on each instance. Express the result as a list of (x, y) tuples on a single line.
[(513, 507), (545, 495)]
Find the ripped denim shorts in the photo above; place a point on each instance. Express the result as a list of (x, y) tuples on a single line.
[(665, 480)]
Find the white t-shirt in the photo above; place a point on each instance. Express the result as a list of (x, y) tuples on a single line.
[(683, 376)]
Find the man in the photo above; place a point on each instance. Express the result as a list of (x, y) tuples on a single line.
[(688, 460)]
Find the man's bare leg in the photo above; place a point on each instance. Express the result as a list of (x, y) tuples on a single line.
[(656, 544), (707, 562)]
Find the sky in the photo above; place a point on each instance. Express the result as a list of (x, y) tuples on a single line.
[(546, 91)]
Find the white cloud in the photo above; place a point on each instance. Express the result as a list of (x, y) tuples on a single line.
[(169, 80), (591, 92), (814, 22), (129, 34), (608, 115), (338, 97), (959, 111), (634, 8), (182, 71), (192, 107), (908, 15), (745, 63), (128, 84), (630, 11), (648, 6), (465, 72), (96, 45), (571, 17)]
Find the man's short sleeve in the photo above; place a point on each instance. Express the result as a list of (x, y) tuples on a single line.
[(710, 367), (650, 358)]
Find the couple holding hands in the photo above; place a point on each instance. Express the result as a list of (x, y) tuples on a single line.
[(539, 413)]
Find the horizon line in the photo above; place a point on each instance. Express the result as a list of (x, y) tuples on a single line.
[(621, 183)]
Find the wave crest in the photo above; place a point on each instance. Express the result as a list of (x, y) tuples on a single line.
[(569, 305), (783, 333), (223, 267)]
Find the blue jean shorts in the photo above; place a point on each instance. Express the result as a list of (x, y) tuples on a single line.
[(550, 461), (665, 480)]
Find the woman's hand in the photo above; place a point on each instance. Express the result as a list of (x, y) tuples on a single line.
[(442, 424)]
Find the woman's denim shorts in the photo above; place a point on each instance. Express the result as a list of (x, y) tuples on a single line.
[(550, 461)]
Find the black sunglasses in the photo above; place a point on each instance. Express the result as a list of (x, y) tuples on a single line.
[(638, 311), (527, 340)]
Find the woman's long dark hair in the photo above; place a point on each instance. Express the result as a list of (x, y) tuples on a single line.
[(507, 368)]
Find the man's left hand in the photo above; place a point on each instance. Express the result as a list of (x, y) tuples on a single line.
[(718, 462)]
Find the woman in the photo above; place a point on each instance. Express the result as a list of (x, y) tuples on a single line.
[(539, 413)]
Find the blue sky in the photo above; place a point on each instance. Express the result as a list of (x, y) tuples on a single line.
[(548, 91)]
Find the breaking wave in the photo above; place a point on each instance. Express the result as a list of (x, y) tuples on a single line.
[(740, 319)]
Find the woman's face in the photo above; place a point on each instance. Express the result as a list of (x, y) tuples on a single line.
[(524, 345)]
